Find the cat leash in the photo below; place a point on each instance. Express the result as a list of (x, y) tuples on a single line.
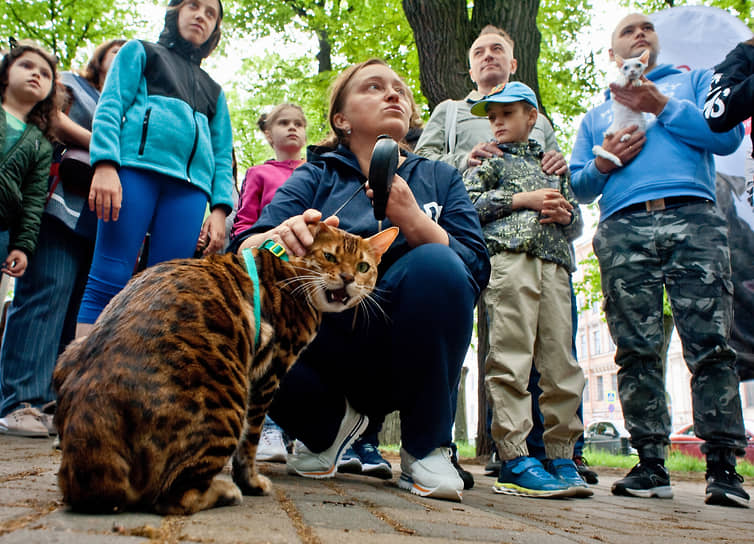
[(382, 168)]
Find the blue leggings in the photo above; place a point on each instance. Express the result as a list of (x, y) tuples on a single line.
[(408, 360), (170, 209)]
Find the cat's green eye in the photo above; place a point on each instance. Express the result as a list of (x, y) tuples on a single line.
[(329, 257), (362, 267)]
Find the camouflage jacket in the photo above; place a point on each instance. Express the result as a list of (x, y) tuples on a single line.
[(491, 187)]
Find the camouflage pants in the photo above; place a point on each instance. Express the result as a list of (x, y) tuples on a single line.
[(686, 250)]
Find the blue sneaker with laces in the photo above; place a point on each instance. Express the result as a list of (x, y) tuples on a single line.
[(350, 462), (526, 477), (372, 462), (565, 470)]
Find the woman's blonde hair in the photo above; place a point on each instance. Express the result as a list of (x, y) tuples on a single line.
[(338, 98), (43, 110)]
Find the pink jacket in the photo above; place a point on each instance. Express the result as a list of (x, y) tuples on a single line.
[(258, 188)]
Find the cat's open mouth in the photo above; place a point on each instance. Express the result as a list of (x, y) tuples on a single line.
[(337, 295)]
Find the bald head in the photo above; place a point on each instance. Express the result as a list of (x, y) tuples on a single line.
[(633, 35)]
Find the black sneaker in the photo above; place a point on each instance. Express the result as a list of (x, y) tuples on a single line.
[(645, 480), (468, 479), (492, 468), (724, 486), (585, 472)]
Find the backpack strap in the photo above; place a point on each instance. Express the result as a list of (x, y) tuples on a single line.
[(451, 116)]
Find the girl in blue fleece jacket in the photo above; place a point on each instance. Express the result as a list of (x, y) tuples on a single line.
[(161, 147)]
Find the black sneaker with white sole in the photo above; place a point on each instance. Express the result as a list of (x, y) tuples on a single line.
[(724, 486), (492, 468), (465, 475), (585, 472), (645, 480)]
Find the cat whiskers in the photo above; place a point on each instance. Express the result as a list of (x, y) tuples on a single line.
[(307, 284), (372, 300)]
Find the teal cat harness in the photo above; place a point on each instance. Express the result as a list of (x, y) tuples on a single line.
[(251, 267)]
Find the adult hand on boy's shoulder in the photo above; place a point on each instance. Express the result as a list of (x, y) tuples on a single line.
[(481, 151), (553, 162)]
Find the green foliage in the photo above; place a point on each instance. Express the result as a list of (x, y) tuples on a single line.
[(465, 449), (567, 74), (262, 83), (589, 287), (334, 34), (66, 26), (675, 462)]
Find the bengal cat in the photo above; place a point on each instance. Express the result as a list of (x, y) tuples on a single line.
[(171, 382)]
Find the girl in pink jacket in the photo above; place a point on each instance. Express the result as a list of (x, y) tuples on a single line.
[(285, 130)]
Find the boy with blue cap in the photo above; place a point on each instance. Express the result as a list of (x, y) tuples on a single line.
[(528, 219)]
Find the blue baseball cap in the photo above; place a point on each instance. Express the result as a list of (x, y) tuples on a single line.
[(513, 91)]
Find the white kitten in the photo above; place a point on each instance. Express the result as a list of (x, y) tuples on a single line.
[(630, 70)]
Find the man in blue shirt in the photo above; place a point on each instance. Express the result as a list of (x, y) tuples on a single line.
[(659, 228)]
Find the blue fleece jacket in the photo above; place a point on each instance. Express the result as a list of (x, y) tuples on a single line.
[(160, 111), (330, 177), (676, 159)]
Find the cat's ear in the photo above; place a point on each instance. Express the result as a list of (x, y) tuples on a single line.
[(644, 58), (618, 60), (381, 241)]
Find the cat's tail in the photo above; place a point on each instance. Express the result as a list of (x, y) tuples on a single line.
[(94, 478), (599, 151)]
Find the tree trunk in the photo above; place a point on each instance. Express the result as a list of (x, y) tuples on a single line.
[(443, 33), (391, 429), (461, 429), (324, 56), (484, 442)]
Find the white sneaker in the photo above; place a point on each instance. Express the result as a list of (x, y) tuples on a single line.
[(433, 476), (25, 421), (305, 462), (271, 446), (48, 417)]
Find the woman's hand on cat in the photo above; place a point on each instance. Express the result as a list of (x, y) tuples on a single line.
[(212, 235), (623, 148), (646, 97), (483, 150), (293, 233), (553, 162), (106, 192)]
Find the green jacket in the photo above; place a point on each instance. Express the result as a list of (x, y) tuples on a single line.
[(23, 186), (491, 187)]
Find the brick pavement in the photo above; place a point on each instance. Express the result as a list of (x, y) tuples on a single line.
[(363, 510)]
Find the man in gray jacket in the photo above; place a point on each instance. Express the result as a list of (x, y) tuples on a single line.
[(455, 136)]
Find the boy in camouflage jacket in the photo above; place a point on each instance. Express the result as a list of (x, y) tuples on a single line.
[(528, 219)]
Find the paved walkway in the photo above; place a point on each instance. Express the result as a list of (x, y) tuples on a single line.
[(364, 510)]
